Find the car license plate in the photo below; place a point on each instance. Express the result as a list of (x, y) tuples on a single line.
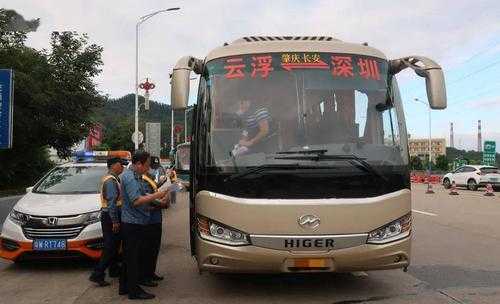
[(49, 244)]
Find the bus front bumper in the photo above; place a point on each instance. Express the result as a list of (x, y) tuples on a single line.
[(214, 257)]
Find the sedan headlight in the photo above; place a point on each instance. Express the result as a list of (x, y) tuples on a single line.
[(93, 217), (219, 233), (391, 232), (19, 217)]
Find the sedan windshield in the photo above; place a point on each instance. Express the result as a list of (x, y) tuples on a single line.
[(263, 104), (72, 180)]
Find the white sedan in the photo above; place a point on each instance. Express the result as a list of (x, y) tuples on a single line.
[(473, 177)]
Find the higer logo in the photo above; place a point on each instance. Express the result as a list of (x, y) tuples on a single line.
[(309, 221)]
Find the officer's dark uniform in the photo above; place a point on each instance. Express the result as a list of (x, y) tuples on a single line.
[(153, 235), (110, 213), (135, 220)]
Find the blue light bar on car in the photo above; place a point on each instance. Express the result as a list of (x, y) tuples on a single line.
[(92, 156)]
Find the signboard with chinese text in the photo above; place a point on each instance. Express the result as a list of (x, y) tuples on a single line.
[(489, 154), (6, 108), (341, 67), (153, 138)]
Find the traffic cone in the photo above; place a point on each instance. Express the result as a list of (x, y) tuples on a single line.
[(489, 190), (429, 188), (453, 190)]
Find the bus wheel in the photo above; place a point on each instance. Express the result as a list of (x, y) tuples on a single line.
[(472, 185)]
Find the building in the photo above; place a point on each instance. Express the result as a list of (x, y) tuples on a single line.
[(420, 147)]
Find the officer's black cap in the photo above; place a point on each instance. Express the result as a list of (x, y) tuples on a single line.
[(114, 160)]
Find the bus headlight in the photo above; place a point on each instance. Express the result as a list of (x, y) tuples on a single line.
[(219, 233), (391, 232), (18, 217)]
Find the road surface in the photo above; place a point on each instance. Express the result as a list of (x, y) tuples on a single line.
[(455, 260)]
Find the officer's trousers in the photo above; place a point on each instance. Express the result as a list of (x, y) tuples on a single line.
[(153, 240), (112, 242), (134, 245)]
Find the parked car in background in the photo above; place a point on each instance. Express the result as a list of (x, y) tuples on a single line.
[(473, 177)]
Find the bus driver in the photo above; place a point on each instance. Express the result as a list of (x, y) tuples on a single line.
[(257, 128)]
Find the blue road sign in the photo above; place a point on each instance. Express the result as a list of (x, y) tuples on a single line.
[(6, 108)]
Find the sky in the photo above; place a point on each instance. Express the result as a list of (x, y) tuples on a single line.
[(462, 36)]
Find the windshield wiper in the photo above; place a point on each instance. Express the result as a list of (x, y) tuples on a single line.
[(351, 158), (263, 168), (317, 151)]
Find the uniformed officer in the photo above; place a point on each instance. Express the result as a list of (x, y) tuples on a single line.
[(154, 233), (110, 221), (135, 219)]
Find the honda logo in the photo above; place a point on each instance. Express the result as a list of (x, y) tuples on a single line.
[(52, 221), (309, 221)]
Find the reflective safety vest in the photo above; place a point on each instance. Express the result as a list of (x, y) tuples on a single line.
[(173, 176), (150, 182), (104, 201)]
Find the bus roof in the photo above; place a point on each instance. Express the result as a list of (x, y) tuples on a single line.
[(277, 44)]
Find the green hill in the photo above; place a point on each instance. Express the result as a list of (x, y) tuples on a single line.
[(117, 118)]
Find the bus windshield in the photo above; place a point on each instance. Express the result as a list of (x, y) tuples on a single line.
[(261, 105)]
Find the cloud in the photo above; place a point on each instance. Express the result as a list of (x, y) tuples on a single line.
[(484, 103), (442, 30)]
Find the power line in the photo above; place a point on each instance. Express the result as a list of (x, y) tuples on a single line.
[(475, 72), (479, 53)]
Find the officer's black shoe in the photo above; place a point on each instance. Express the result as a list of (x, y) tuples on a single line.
[(148, 283), (115, 273), (122, 292), (141, 296), (98, 280), (156, 277)]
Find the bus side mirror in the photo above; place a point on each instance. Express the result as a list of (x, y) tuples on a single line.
[(180, 80), (431, 71)]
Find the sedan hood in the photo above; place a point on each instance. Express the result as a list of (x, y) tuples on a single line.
[(58, 204)]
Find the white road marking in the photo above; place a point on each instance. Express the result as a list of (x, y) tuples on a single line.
[(423, 212), (359, 274)]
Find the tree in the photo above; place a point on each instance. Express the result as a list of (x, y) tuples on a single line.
[(442, 163), (416, 163), (55, 98)]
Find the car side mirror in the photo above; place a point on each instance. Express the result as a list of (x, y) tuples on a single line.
[(431, 71), (29, 189)]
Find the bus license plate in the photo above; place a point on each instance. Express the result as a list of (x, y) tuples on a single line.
[(49, 244), (310, 263)]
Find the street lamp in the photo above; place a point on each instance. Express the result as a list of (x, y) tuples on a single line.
[(429, 190), (141, 20)]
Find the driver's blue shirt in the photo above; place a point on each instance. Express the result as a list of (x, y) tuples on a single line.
[(132, 189)]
